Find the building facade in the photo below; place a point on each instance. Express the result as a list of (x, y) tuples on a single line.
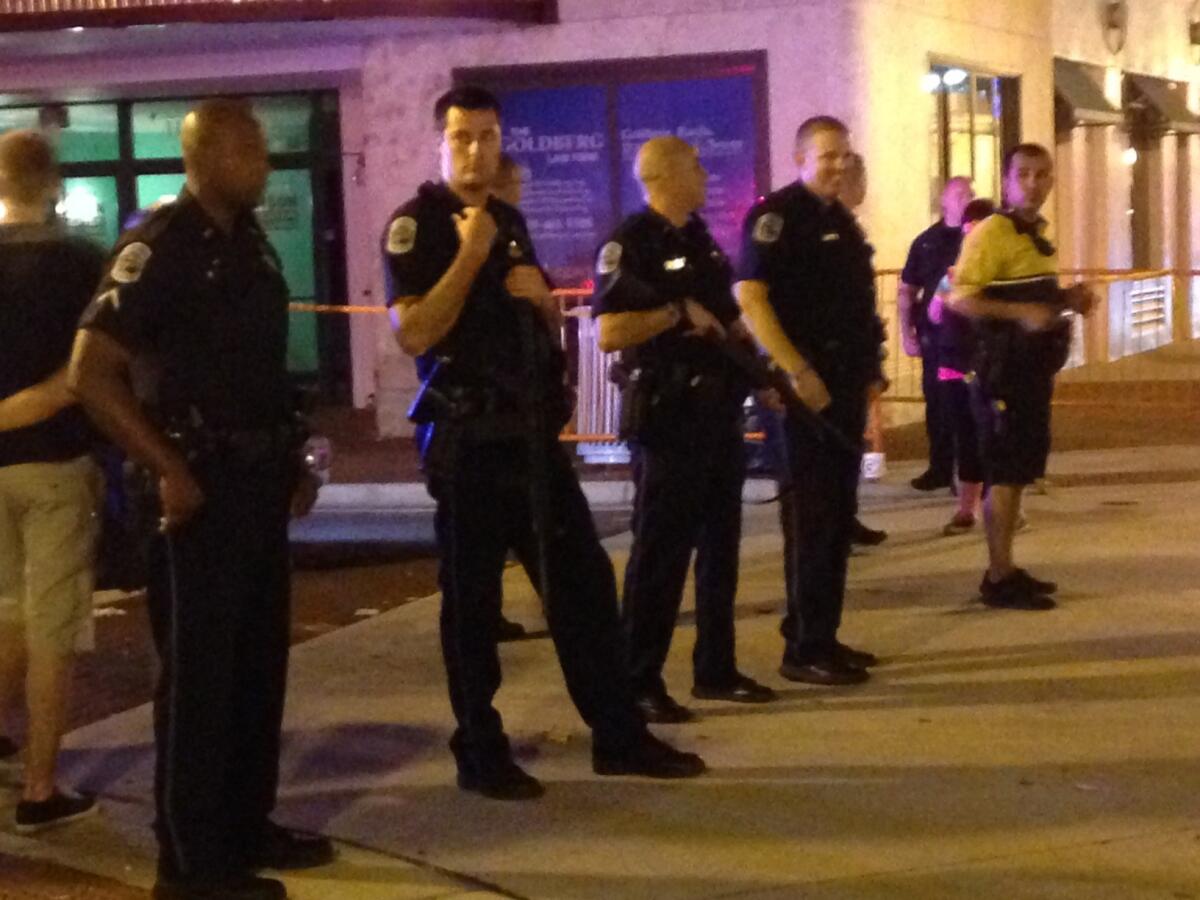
[(930, 88)]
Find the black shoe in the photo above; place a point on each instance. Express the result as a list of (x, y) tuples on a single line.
[(828, 672), (867, 537), (930, 480), (508, 630), (662, 709), (58, 810), (743, 690), (503, 780), (855, 659), (1013, 592), (284, 850), (246, 887), (1035, 584), (648, 757)]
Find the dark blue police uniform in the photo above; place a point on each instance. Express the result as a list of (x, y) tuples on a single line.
[(816, 263), (931, 255), (204, 314), (493, 403), (688, 457)]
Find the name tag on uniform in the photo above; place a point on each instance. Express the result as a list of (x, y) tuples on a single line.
[(831, 236), (674, 265)]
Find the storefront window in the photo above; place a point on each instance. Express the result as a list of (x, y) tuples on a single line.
[(81, 133), (285, 119), (90, 208), (968, 128)]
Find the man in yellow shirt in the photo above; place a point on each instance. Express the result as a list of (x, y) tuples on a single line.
[(1007, 280)]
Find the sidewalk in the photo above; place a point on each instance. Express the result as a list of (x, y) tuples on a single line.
[(994, 755)]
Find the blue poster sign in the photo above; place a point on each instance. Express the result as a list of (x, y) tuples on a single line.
[(559, 137), (717, 116)]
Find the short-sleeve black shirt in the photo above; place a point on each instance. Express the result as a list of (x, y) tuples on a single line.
[(204, 314), (46, 280), (816, 263), (421, 242), (931, 255), (648, 262)]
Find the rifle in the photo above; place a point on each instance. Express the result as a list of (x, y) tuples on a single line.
[(764, 374)]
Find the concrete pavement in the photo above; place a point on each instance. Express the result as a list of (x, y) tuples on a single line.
[(994, 755)]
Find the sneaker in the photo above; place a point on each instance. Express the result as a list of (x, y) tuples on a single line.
[(649, 757), (502, 780), (960, 524), (867, 537), (743, 689), (1036, 584), (1013, 592), (930, 480), (245, 887), (57, 810)]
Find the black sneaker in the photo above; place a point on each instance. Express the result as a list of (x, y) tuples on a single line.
[(867, 537), (930, 480), (828, 671), (57, 810), (285, 850), (743, 689), (1013, 592), (648, 757), (503, 780), (1042, 587), (245, 887)]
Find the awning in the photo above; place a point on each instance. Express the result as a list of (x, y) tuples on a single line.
[(1165, 102), (1082, 96)]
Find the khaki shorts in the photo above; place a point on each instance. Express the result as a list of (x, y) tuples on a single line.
[(49, 525)]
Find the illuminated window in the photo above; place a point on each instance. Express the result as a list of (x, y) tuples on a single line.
[(975, 118), (81, 132)]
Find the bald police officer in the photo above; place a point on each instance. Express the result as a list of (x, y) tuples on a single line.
[(807, 288), (194, 308), (469, 302), (663, 298)]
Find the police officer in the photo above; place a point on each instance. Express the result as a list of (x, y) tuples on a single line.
[(1007, 280), (663, 298), (807, 288), (470, 303), (194, 307), (932, 253)]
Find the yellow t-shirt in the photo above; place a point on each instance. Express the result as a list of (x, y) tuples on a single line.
[(998, 258)]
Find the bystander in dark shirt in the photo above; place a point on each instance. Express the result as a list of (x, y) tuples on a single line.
[(930, 256), (47, 278)]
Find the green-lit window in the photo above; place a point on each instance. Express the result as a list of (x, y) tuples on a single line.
[(156, 125), (81, 132)]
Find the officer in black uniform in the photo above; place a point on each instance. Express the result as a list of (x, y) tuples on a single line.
[(194, 308), (932, 253), (470, 303), (663, 298), (807, 288)]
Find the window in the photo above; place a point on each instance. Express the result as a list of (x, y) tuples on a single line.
[(975, 119), (102, 187)]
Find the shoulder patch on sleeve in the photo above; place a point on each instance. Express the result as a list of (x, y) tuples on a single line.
[(402, 235), (610, 258), (768, 228), (111, 297), (130, 263)]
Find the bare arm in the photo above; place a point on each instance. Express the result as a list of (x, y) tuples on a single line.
[(969, 301), (421, 322), (627, 329), (37, 403)]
